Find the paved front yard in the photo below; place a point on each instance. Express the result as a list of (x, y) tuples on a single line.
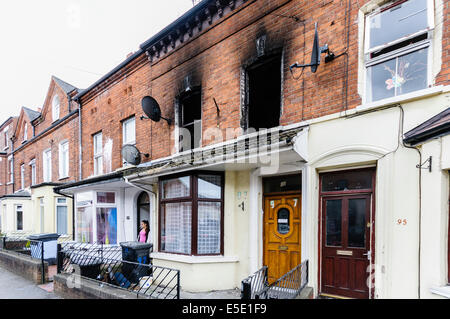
[(13, 286)]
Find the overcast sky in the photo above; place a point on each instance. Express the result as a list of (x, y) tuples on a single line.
[(78, 41)]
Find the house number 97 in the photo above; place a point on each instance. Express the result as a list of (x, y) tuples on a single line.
[(402, 222)]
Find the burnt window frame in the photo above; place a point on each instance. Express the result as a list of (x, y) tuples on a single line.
[(245, 84), (179, 117), (194, 199)]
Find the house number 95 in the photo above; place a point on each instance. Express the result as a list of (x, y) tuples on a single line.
[(402, 222)]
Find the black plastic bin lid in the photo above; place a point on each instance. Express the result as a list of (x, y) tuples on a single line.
[(136, 245), (82, 260), (44, 237)]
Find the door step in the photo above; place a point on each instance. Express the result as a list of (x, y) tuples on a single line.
[(328, 296)]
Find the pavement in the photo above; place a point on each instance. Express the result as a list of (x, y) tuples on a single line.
[(224, 294), (13, 286)]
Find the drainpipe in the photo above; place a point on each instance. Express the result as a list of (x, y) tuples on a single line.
[(80, 148)]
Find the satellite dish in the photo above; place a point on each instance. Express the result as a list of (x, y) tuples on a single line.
[(151, 108), (316, 53), (315, 56), (131, 154)]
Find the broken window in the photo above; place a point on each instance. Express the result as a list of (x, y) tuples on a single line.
[(190, 119), (264, 93), (397, 49)]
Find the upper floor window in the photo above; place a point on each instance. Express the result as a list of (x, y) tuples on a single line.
[(55, 108), (190, 120), (25, 132), (22, 176), (47, 166), (33, 172), (11, 169), (64, 160), (397, 48), (129, 131), (98, 153), (263, 96), (6, 138)]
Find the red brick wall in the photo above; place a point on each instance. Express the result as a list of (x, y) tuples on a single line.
[(215, 58), (67, 131)]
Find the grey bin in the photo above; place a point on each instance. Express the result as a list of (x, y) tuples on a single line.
[(136, 252), (50, 242)]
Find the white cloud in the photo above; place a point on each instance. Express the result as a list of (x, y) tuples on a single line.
[(77, 40)]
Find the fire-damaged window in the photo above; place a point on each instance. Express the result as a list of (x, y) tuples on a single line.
[(397, 49), (190, 119), (263, 92)]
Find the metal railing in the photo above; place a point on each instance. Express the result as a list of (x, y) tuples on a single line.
[(289, 286), (254, 284), (105, 265)]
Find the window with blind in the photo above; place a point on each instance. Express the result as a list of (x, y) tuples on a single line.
[(191, 214)]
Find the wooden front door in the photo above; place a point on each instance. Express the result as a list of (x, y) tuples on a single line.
[(282, 234), (346, 245)]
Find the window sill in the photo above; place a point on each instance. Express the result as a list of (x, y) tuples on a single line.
[(194, 259), (402, 98), (63, 178), (441, 291)]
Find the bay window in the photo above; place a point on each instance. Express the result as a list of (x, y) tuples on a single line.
[(96, 219), (398, 48), (191, 214)]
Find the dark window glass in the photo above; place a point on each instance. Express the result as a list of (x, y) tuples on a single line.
[(264, 80), (190, 120), (283, 221), (19, 220), (283, 184), (343, 181), (334, 222), (106, 198), (357, 223)]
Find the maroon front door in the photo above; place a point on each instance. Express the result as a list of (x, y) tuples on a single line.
[(345, 233)]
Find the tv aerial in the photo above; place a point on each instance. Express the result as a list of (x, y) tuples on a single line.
[(316, 54), (132, 155), (152, 109)]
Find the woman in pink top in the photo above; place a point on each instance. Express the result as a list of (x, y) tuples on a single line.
[(143, 234)]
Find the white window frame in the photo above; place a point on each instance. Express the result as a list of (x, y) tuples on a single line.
[(47, 170), (22, 176), (25, 132), (94, 205), (125, 139), (56, 106), (98, 154), (16, 210), (428, 43), (57, 204), (11, 169), (32, 164), (63, 165), (5, 132)]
